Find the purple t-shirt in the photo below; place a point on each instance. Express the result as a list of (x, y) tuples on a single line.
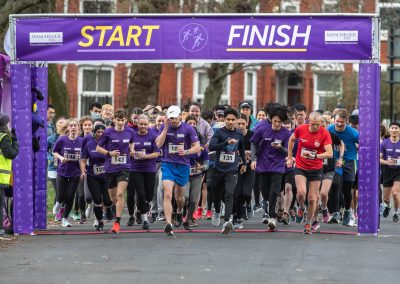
[(158, 132), (95, 160), (182, 136), (145, 144), (117, 140), (71, 150), (270, 159), (391, 151)]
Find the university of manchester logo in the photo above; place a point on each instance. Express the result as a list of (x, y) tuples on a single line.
[(193, 37)]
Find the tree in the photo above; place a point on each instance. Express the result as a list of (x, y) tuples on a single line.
[(57, 89), (144, 78)]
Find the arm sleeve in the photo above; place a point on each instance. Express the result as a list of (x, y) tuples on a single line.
[(254, 151), (214, 142), (103, 140), (242, 149), (85, 153), (57, 146), (9, 148), (209, 132)]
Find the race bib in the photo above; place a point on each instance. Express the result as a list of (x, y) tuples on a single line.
[(174, 148), (71, 157), (193, 171), (308, 154), (396, 162), (139, 152), (120, 160), (226, 157), (98, 170)]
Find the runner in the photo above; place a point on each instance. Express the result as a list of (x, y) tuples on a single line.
[(92, 169), (143, 167), (349, 136), (269, 149), (314, 145), (247, 109), (226, 142), (390, 159), (117, 144), (204, 128), (178, 140), (67, 150)]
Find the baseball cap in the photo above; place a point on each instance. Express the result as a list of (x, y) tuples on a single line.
[(173, 112), (245, 104), (220, 112)]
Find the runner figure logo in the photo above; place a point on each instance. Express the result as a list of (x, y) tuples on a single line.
[(193, 37), (317, 144)]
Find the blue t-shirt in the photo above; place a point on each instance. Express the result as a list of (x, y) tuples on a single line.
[(349, 137)]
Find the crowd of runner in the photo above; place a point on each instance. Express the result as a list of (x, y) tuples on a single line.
[(178, 165)]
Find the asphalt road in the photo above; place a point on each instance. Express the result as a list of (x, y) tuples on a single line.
[(278, 257)]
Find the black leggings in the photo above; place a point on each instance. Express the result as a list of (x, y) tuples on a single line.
[(270, 188), (257, 189), (80, 203), (100, 196), (224, 190), (66, 188), (334, 194), (209, 189), (243, 190), (130, 195), (347, 186), (144, 188)]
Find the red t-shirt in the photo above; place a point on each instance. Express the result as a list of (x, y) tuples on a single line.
[(312, 143)]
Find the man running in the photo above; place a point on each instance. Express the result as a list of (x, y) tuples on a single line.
[(179, 140), (314, 145)]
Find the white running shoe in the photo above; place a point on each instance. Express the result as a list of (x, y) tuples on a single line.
[(89, 210), (352, 222), (95, 223), (65, 223), (272, 224), (56, 208), (216, 219), (226, 228)]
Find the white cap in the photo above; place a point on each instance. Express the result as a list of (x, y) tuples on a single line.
[(173, 112)]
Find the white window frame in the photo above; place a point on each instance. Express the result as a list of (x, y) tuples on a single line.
[(81, 93), (318, 94), (113, 1), (290, 3), (246, 97), (197, 96)]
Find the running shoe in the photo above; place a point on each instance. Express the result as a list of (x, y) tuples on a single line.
[(257, 208), (325, 216), (76, 216), (179, 220), (286, 218), (216, 219), (95, 223), (145, 225), (307, 229), (83, 219), (186, 226), (265, 218), (60, 214), (198, 213), (279, 215), (315, 226), (271, 224), (131, 221), (115, 228), (335, 218), (395, 217), (65, 223), (300, 215), (352, 222), (226, 228), (89, 210), (138, 218), (249, 211), (192, 223), (237, 224), (292, 214), (161, 216), (153, 218), (346, 218), (56, 208), (100, 226), (168, 230), (209, 215), (386, 211)]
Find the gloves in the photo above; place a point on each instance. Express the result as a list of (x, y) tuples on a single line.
[(13, 134)]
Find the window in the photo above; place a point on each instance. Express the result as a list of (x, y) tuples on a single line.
[(330, 6), (95, 84), (201, 83), (98, 6), (250, 87), (327, 90), (290, 6), (390, 14)]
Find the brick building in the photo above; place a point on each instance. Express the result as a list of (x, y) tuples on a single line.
[(318, 86)]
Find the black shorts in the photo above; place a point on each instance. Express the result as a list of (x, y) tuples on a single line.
[(328, 175), (113, 179), (390, 175), (310, 175), (289, 178), (355, 184)]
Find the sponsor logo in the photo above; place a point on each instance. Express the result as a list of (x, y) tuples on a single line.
[(46, 38), (193, 37), (341, 37)]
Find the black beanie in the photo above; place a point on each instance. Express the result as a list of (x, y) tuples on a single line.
[(4, 120), (99, 126)]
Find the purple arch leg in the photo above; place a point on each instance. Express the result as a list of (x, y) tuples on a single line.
[(39, 80), (368, 173), (22, 164)]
